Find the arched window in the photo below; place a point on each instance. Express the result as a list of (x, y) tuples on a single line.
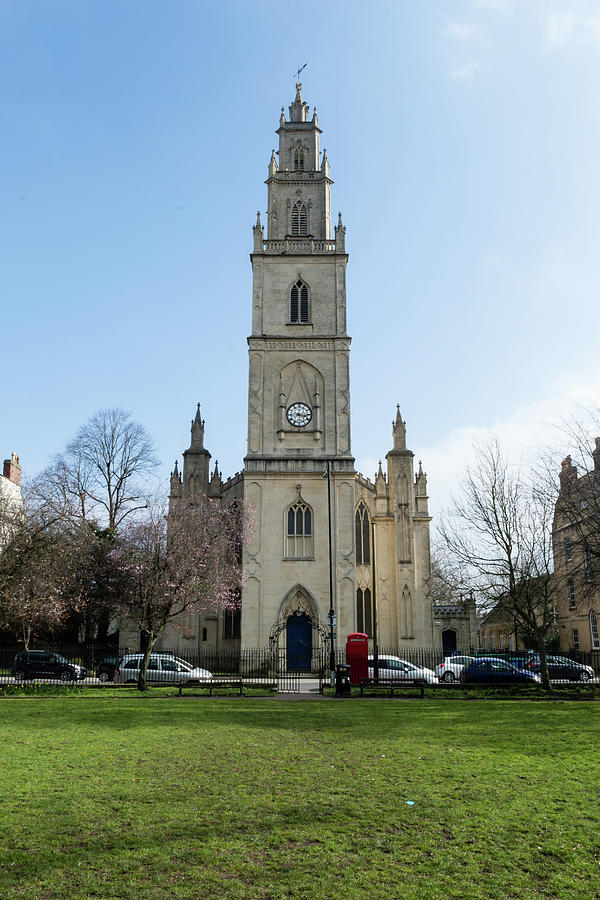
[(299, 160), (364, 611), (363, 536), (594, 630), (299, 531), (205, 634), (299, 303), (299, 218)]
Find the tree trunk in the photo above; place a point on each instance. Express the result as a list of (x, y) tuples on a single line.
[(539, 636)]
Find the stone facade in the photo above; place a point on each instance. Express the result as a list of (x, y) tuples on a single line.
[(576, 544), (299, 475), (11, 498)]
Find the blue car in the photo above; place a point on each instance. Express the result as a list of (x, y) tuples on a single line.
[(489, 670)]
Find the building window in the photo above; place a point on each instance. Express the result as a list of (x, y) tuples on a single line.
[(587, 563), (568, 549), (299, 531), (232, 623), (571, 587), (299, 218), (205, 634), (594, 630), (299, 160), (493, 640), (364, 612), (363, 536), (575, 638), (299, 303)]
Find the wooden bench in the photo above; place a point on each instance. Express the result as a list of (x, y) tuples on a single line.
[(213, 683), (393, 685)]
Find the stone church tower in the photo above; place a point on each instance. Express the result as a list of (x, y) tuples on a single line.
[(299, 475)]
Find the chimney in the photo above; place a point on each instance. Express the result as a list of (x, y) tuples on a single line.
[(596, 455), (12, 469), (568, 473)]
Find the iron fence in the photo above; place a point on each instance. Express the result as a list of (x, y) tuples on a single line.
[(278, 666)]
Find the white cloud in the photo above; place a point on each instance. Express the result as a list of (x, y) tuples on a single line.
[(466, 71), (572, 27), (526, 431)]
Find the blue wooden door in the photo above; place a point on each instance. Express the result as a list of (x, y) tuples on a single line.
[(299, 642)]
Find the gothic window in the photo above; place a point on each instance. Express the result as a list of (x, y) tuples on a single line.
[(299, 531), (299, 303), (594, 630), (299, 160), (232, 622), (363, 537), (299, 218), (364, 611)]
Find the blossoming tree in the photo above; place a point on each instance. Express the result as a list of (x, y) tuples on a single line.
[(185, 561)]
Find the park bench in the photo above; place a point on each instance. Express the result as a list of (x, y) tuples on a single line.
[(392, 685), (213, 683)]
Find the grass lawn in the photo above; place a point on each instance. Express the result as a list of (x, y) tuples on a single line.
[(162, 798)]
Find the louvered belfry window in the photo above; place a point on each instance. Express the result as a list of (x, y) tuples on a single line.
[(299, 303), (299, 218), (299, 160)]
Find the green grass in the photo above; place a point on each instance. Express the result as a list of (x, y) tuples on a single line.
[(267, 799)]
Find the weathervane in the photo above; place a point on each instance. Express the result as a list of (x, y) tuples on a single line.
[(301, 69)]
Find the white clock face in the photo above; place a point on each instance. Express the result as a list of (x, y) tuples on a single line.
[(299, 414)]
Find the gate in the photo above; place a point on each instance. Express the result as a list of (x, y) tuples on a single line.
[(288, 680)]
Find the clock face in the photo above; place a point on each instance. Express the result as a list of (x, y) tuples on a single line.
[(299, 414)]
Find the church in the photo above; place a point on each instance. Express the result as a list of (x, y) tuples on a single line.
[(325, 538)]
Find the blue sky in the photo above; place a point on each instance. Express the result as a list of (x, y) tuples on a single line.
[(463, 139)]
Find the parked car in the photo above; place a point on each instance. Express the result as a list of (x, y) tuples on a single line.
[(489, 669), (162, 667), (45, 664), (392, 668), (105, 670), (561, 668), (451, 667)]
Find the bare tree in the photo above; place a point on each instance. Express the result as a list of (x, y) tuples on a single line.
[(499, 534), (99, 474), (185, 562)]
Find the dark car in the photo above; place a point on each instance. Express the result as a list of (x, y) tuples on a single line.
[(45, 664), (105, 670), (489, 670), (561, 668)]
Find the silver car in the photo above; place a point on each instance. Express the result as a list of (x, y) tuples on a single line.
[(162, 667), (451, 667), (392, 668)]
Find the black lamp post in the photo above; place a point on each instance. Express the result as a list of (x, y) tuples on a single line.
[(331, 617)]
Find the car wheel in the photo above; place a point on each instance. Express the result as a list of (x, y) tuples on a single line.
[(66, 676), (19, 675), (104, 677), (448, 676), (584, 676)]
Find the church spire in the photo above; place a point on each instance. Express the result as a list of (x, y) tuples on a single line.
[(298, 109), (196, 460), (399, 431)]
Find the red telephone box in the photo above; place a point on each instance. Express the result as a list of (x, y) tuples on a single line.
[(357, 655)]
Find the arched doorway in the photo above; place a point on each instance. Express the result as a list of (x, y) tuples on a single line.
[(298, 633), (448, 641)]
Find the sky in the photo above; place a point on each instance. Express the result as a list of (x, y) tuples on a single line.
[(463, 140)]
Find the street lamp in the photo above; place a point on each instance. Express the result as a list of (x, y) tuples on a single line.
[(331, 619)]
